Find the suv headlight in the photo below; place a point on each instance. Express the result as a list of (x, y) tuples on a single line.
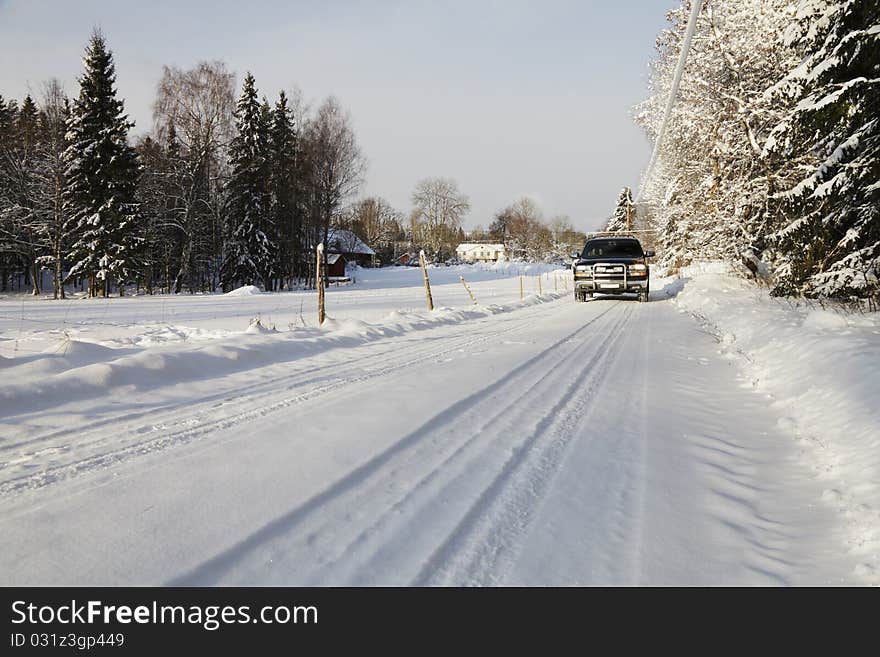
[(637, 270), (583, 269)]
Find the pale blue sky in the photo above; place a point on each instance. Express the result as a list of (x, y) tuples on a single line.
[(508, 98)]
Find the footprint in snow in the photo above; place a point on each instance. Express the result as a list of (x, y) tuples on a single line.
[(832, 495)]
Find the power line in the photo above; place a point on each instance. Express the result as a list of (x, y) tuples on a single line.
[(673, 92)]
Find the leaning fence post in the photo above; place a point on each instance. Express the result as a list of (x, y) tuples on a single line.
[(468, 288), (319, 277), (427, 282)]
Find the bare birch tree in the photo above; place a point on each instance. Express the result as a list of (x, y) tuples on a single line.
[(438, 208), (335, 165), (193, 118)]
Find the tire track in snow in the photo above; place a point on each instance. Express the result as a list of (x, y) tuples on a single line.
[(483, 546), (295, 379), (484, 431), (265, 385), (193, 427), (295, 545)]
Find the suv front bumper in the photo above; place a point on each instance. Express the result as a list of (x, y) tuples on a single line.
[(611, 285)]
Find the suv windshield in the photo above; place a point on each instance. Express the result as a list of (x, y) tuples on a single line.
[(612, 249)]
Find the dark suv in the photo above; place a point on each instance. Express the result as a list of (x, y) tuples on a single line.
[(611, 265)]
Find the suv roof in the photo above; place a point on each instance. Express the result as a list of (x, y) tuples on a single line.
[(612, 247)]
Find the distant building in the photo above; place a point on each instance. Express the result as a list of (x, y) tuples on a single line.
[(347, 244), (476, 252), (336, 266)]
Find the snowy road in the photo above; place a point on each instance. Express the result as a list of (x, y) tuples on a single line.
[(561, 443)]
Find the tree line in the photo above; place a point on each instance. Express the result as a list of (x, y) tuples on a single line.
[(526, 235), (435, 225), (221, 192), (226, 188), (772, 152)]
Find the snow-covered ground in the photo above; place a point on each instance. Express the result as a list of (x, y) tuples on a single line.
[(29, 325), (711, 436), (819, 369)]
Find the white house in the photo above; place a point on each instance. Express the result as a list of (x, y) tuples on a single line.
[(476, 252)]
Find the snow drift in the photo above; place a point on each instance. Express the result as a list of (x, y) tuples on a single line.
[(821, 369), (84, 370), (244, 291)]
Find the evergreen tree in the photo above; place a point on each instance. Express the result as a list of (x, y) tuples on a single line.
[(102, 175), (7, 122), (624, 212), (249, 250), (7, 119), (153, 200), (284, 212), (28, 123), (267, 264), (832, 248), (21, 225)]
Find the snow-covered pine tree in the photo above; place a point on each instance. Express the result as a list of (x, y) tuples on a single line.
[(101, 179), (7, 117), (248, 255), (6, 122), (832, 247), (22, 225), (624, 213), (153, 198), (267, 263), (28, 120), (286, 218)]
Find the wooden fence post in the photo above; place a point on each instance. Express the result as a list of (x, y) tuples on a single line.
[(319, 277), (555, 282), (520, 287), (468, 288), (540, 290), (427, 282)]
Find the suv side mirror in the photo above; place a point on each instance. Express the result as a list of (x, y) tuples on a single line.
[(649, 254), (575, 255)]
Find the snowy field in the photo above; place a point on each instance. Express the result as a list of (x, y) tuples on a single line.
[(29, 325), (712, 436)]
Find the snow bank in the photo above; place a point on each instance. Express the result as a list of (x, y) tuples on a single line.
[(87, 371), (78, 351), (244, 291), (821, 370)]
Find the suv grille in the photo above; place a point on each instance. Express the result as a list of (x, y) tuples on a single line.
[(608, 269)]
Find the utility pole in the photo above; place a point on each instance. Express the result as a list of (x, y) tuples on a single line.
[(629, 209)]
